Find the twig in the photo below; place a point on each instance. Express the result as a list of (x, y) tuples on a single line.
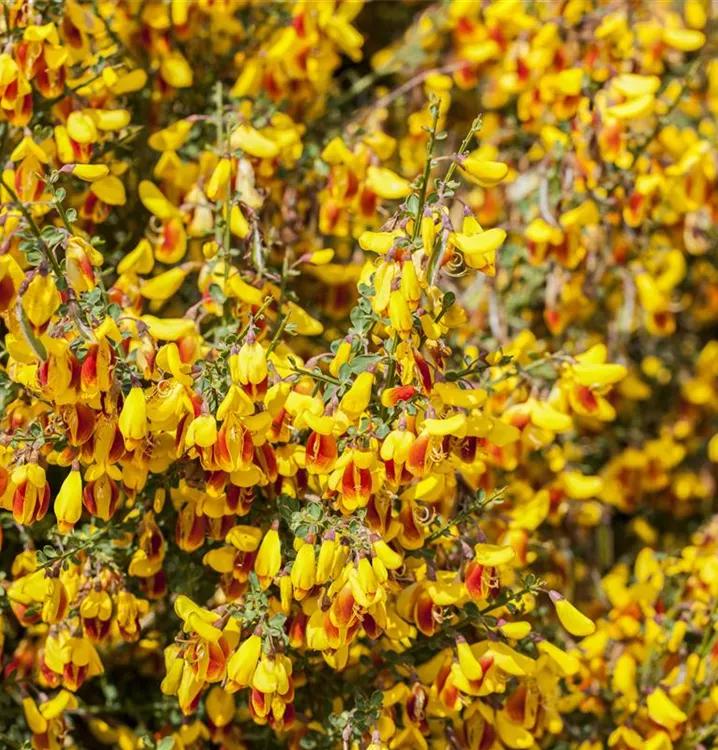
[(406, 87), (391, 372), (35, 230), (69, 553), (245, 328), (544, 205), (464, 514), (427, 171), (317, 375), (280, 329)]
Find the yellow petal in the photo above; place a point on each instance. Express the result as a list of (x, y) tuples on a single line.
[(304, 324), (513, 735), (196, 624), (165, 285), (454, 425), (81, 127), (378, 242), (244, 538), (176, 71), (483, 172), (110, 119), (686, 40), (90, 172), (155, 202), (110, 190), (387, 184), (596, 375), (631, 85), (140, 260), (663, 710), (633, 108), (493, 555), (516, 630), (567, 663), (252, 142), (168, 329), (482, 243), (573, 620)]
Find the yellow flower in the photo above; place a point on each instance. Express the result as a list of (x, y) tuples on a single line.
[(483, 171), (663, 710), (68, 503), (303, 571), (252, 142), (357, 398), (243, 663), (269, 558), (133, 417)]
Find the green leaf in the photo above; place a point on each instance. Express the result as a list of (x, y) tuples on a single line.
[(447, 303), (362, 362), (216, 293), (412, 203)]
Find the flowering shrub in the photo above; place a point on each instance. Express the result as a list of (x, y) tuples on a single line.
[(358, 382)]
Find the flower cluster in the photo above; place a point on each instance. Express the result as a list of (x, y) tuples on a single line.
[(338, 363), (651, 662)]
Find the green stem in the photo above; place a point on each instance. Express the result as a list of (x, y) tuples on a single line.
[(69, 553), (317, 375), (475, 127), (35, 230), (226, 238), (245, 329), (464, 514), (280, 329), (226, 250), (427, 171), (391, 372), (63, 215)]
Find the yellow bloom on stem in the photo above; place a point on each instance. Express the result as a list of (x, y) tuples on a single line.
[(482, 171), (252, 142), (663, 710), (133, 417), (243, 663), (304, 571), (68, 503), (357, 398), (269, 558), (574, 621)]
